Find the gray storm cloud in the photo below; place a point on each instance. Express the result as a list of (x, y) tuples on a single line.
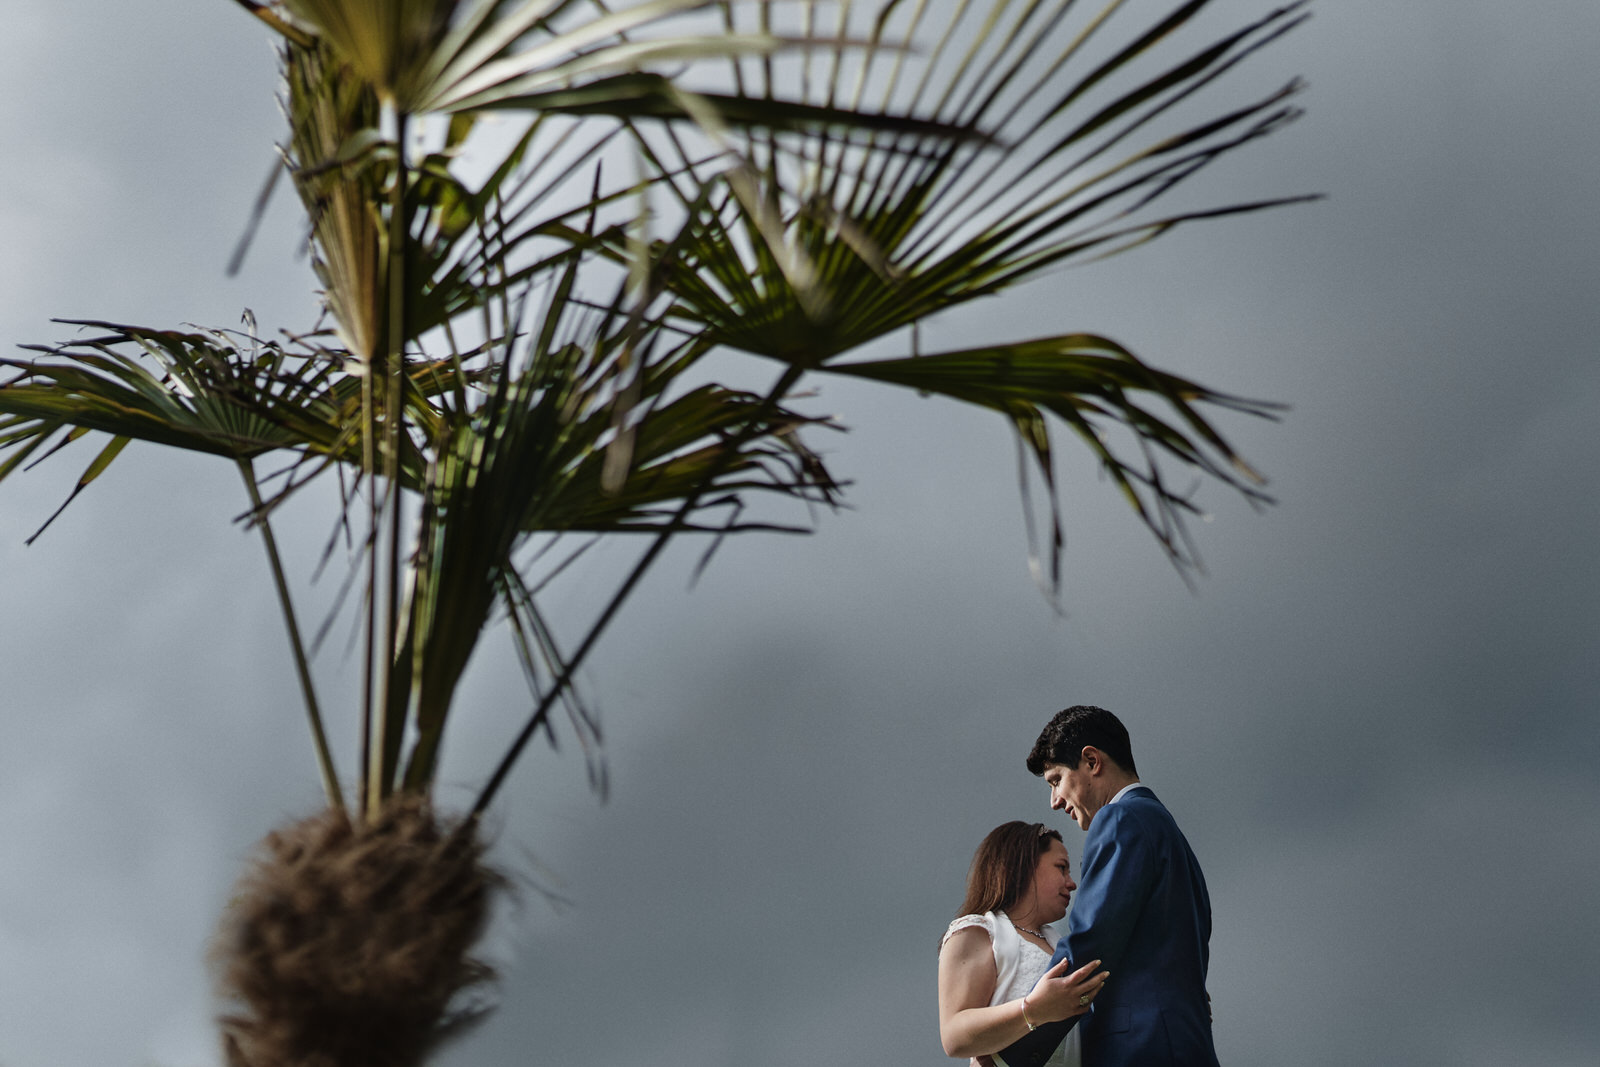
[(1374, 718)]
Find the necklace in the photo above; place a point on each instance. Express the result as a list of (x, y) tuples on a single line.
[(1025, 930)]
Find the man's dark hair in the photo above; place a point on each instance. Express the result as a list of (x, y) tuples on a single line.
[(1063, 739)]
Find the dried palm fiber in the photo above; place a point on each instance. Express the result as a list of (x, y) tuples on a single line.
[(345, 943)]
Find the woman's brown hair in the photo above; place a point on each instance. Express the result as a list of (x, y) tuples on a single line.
[(1002, 868)]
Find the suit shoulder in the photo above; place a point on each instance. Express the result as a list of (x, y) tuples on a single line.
[(1138, 815)]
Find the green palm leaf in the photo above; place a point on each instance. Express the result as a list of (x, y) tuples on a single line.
[(836, 181), (195, 390), (533, 456), (1088, 382), (458, 56), (820, 244), (467, 244), (902, 227), (211, 392)]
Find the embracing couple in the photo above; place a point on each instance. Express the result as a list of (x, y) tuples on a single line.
[(1012, 990)]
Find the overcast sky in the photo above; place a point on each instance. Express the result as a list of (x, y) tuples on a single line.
[(1375, 718)]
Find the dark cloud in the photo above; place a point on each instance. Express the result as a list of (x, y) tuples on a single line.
[(1374, 718)]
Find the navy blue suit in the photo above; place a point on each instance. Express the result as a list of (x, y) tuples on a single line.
[(1142, 909)]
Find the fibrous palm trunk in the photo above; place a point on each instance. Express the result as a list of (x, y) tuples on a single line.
[(349, 943)]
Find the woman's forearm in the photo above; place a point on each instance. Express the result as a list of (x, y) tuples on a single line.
[(980, 1031)]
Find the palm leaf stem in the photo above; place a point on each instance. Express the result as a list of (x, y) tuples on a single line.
[(390, 724), (370, 607), (319, 737)]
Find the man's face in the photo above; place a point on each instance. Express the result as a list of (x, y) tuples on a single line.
[(1071, 791)]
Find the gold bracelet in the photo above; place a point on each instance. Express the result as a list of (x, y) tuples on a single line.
[(1024, 1002)]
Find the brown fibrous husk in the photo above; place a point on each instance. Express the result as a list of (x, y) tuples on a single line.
[(347, 942)]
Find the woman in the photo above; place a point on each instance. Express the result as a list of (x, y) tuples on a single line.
[(995, 979)]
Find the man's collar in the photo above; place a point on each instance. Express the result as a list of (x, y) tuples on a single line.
[(1124, 791)]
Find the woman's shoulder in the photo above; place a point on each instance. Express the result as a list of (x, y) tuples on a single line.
[(984, 921)]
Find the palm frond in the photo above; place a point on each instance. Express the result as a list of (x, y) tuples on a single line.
[(196, 390), (1086, 135), (831, 174), (1088, 383), (212, 392), (530, 457), (334, 155), (896, 227), (449, 56)]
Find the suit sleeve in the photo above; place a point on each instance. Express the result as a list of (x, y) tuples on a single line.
[(1119, 871), (1038, 1045)]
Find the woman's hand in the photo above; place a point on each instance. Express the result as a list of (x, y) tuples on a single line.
[(1060, 995)]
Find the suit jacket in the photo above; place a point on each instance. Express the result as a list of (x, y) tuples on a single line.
[(1142, 909)]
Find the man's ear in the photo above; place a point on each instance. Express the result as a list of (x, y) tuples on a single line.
[(1092, 760)]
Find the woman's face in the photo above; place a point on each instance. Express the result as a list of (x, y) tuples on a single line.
[(1052, 883)]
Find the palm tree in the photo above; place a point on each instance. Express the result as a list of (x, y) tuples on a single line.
[(520, 355)]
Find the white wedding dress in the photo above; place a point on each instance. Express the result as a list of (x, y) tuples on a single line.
[(1019, 964)]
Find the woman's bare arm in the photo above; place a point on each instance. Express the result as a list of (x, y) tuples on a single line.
[(970, 1026)]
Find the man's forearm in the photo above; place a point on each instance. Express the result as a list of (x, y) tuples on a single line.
[(1033, 1048)]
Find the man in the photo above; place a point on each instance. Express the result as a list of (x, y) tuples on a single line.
[(1142, 907)]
